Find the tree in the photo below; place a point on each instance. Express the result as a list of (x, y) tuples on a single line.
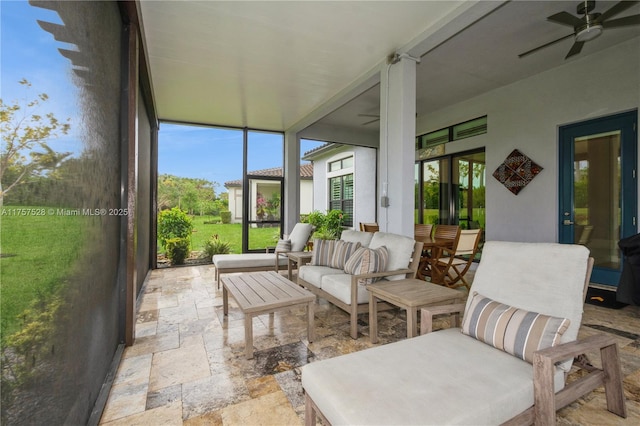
[(24, 131)]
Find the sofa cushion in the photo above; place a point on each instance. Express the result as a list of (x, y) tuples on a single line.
[(439, 378), (339, 286), (364, 238), (366, 260), (300, 235), (515, 331), (313, 274), (322, 252), (283, 246), (342, 251), (400, 251)]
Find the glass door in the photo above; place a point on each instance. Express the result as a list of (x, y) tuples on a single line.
[(263, 188), (451, 190), (265, 212), (598, 195)]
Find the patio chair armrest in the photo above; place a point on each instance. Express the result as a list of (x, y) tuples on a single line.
[(427, 314), (546, 401), (566, 351)]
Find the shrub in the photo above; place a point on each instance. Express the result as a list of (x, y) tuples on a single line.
[(177, 250), (327, 226), (215, 246), (225, 216), (173, 223)]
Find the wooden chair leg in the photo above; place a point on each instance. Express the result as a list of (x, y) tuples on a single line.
[(613, 387), (309, 412)]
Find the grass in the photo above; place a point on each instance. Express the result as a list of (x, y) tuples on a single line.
[(231, 233), (38, 253)]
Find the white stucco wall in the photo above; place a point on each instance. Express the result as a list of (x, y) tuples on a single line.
[(306, 196), (526, 115), (364, 183)]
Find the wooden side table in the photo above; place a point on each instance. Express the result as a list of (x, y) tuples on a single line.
[(299, 258), (409, 294)]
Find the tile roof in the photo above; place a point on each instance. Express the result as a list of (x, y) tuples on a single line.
[(306, 172)]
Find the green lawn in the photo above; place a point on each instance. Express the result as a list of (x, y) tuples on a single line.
[(38, 253), (231, 233)]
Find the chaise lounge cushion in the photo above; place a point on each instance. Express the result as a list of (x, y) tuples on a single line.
[(475, 388), (245, 260), (299, 236)]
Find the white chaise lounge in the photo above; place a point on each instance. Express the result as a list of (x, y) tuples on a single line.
[(252, 262), (447, 377)]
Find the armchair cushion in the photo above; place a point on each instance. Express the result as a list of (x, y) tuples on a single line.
[(512, 330), (365, 261), (342, 251), (322, 252)]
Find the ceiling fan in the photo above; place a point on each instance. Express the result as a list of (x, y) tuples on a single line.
[(590, 26)]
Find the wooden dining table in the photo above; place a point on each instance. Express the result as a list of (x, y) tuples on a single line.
[(430, 251)]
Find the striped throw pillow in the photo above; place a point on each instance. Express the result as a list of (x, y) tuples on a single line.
[(512, 330), (342, 251), (365, 261), (283, 245), (322, 252)]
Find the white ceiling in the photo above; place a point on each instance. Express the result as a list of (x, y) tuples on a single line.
[(271, 65)]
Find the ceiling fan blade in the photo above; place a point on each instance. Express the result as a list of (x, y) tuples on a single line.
[(622, 22), (528, 52), (575, 49), (565, 18), (614, 10), (369, 122), (369, 115)]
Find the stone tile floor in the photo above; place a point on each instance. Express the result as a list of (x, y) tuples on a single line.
[(187, 365)]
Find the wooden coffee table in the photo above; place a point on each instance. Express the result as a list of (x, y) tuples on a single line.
[(258, 293), (409, 294)]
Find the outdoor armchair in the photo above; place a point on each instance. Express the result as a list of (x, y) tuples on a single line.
[(455, 377)]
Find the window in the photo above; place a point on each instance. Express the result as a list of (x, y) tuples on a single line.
[(474, 127), (340, 173), (341, 196)]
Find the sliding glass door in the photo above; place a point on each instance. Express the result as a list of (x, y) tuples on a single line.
[(450, 190)]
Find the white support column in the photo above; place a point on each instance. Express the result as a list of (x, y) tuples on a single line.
[(397, 146), (291, 181)]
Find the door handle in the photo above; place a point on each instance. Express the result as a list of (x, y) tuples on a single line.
[(567, 222)]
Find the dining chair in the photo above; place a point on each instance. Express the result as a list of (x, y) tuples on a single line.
[(369, 227), (453, 264), (421, 230), (445, 239)]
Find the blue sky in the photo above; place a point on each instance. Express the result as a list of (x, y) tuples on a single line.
[(27, 51)]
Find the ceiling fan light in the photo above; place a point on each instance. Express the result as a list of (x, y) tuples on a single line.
[(589, 33)]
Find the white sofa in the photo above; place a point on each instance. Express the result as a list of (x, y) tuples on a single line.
[(343, 290), (447, 377), (251, 262)]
